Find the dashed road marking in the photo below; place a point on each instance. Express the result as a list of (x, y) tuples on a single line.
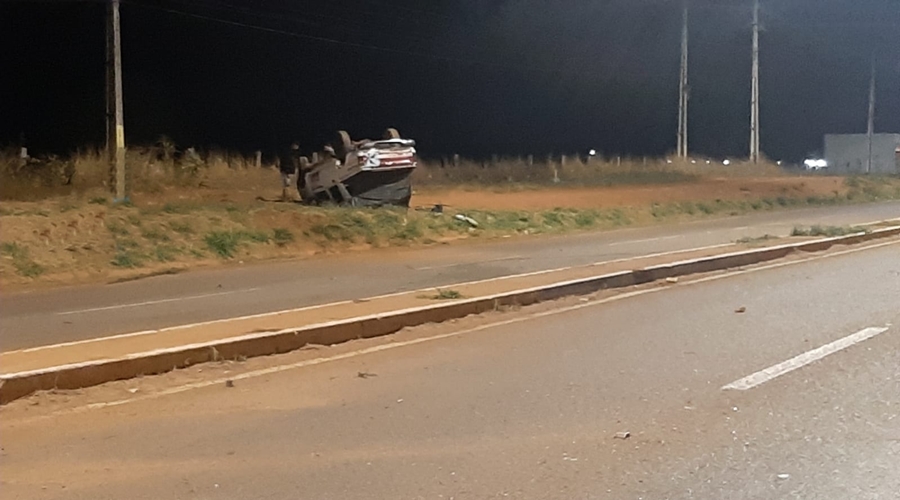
[(799, 361)]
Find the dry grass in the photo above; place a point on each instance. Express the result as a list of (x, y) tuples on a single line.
[(155, 169), (59, 225), (581, 172), (151, 170)]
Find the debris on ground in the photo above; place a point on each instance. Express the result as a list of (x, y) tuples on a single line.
[(229, 383), (784, 476), (740, 310), (671, 280), (465, 218), (365, 374), (623, 435)]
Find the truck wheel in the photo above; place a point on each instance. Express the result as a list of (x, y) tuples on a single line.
[(391, 133)]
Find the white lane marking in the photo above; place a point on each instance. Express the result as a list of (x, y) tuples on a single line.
[(397, 345), (153, 302), (344, 302), (646, 240), (797, 362), (460, 264)]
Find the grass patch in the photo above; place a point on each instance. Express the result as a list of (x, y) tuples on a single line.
[(587, 219), (155, 234), (444, 295), (282, 236), (127, 243), (21, 260), (173, 208), (225, 243), (117, 229), (618, 217), (332, 232), (127, 260), (181, 227), (28, 268), (13, 250), (751, 240), (410, 231), (222, 243), (165, 253), (827, 231)]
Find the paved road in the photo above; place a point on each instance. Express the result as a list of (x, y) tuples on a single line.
[(43, 318), (531, 409)]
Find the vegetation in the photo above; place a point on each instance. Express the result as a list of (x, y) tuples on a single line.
[(445, 295), (827, 231), (187, 216), (21, 260)]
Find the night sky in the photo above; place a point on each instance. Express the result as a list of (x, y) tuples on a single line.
[(470, 76)]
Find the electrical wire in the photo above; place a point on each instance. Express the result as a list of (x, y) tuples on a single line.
[(334, 41)]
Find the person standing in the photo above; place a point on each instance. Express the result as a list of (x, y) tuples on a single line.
[(288, 167)]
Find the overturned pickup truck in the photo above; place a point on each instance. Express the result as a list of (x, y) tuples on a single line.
[(360, 173)]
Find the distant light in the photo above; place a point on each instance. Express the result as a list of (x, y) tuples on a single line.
[(815, 164), (778, 163), (694, 162), (726, 162), (668, 161), (592, 152), (708, 162)]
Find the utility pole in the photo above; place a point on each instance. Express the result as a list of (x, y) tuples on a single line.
[(871, 129), (115, 129), (754, 100), (683, 91)]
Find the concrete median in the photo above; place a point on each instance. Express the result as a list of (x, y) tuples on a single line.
[(68, 367)]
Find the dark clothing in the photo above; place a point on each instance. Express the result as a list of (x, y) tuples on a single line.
[(290, 162)]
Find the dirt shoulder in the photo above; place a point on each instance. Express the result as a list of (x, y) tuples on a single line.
[(731, 189), (84, 239)]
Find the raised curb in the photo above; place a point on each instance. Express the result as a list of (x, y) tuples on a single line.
[(75, 376)]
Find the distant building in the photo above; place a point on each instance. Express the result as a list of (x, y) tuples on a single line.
[(849, 153)]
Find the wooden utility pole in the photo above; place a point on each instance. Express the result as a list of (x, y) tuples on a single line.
[(683, 91), (754, 100), (115, 130), (870, 131)]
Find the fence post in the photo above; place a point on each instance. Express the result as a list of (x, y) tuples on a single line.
[(530, 160), (494, 160), (258, 159), (455, 160), (562, 166), (618, 161)]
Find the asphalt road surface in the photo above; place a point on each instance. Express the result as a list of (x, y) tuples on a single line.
[(530, 407), (71, 314)]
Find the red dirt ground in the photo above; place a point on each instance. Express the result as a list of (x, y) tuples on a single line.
[(605, 197)]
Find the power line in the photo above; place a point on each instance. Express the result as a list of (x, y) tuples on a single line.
[(336, 42), (401, 36)]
